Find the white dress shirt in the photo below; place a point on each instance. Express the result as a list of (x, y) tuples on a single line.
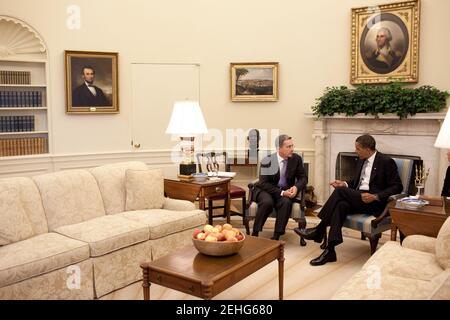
[(91, 88), (365, 173)]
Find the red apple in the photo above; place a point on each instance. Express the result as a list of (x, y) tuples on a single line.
[(196, 232)]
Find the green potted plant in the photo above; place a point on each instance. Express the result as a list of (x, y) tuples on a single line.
[(390, 98)]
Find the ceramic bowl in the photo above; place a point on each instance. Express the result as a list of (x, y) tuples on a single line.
[(413, 203), (200, 177), (218, 248)]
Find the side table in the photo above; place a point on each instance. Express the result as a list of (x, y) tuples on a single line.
[(424, 221), (191, 190)]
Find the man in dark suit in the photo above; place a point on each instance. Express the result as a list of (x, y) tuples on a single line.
[(377, 178), (281, 177), (87, 94)]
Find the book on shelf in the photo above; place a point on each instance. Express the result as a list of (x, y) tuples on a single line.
[(23, 146), (20, 99), (15, 77)]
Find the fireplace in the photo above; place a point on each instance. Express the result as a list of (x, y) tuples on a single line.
[(415, 135), (346, 164)]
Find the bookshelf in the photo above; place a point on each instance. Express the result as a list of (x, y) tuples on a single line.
[(24, 99)]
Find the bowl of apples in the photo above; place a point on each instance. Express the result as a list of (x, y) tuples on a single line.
[(219, 240)]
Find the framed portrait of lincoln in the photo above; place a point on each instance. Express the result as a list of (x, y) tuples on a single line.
[(385, 43), (91, 82)]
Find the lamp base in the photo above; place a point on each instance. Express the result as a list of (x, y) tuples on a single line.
[(187, 169)]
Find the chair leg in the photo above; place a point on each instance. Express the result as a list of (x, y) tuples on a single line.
[(210, 212), (373, 242), (363, 236), (302, 225)]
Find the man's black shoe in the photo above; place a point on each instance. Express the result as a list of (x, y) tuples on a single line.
[(276, 236), (310, 234), (255, 233), (326, 256)]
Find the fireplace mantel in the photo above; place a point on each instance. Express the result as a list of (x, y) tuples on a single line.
[(414, 135)]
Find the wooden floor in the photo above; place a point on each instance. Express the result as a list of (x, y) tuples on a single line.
[(301, 280)]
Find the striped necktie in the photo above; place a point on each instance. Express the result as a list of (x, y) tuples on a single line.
[(282, 183)]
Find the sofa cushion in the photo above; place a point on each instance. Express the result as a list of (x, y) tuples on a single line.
[(111, 181), (365, 286), (106, 234), (39, 255), (443, 245), (14, 225), (442, 286), (164, 222), (400, 261), (21, 212), (420, 242), (144, 189), (69, 197)]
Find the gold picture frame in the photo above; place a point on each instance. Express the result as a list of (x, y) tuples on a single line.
[(385, 43), (91, 82), (254, 81)]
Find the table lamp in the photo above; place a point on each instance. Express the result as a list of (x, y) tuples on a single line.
[(443, 142), (443, 138), (187, 121)]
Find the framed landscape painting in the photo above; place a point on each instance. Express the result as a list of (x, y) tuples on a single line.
[(254, 81), (91, 82), (385, 43)]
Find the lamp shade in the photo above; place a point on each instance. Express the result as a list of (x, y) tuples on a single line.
[(443, 139), (187, 119)]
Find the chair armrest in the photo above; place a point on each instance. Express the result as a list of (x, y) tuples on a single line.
[(420, 242), (385, 212), (178, 205), (397, 196), (251, 185)]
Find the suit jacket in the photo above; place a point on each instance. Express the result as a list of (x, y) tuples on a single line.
[(384, 178), (83, 97), (270, 175), (446, 187)]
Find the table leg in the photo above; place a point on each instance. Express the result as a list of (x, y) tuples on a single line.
[(393, 232), (280, 272), (146, 283), (228, 206)]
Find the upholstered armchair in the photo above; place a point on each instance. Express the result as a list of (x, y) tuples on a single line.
[(372, 227), (297, 212)]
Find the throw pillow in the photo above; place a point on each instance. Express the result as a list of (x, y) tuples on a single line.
[(443, 245), (15, 225), (144, 189)]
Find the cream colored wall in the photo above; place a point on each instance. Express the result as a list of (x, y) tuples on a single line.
[(310, 40)]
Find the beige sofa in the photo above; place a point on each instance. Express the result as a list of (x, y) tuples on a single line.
[(80, 234), (417, 269)]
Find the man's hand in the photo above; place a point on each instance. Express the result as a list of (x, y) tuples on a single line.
[(290, 193), (368, 197), (337, 183)]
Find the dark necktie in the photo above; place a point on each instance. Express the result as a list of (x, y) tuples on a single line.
[(282, 183), (361, 175)]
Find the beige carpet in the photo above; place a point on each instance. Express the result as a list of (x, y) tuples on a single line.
[(301, 281)]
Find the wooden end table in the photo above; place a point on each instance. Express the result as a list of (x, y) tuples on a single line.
[(191, 190), (204, 276), (424, 221)]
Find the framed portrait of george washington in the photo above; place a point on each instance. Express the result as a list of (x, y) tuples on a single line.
[(385, 43), (254, 81), (91, 82)]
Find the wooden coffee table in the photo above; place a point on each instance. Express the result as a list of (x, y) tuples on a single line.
[(203, 276)]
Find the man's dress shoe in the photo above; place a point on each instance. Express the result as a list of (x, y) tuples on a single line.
[(310, 234), (276, 236), (255, 233), (326, 256)]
